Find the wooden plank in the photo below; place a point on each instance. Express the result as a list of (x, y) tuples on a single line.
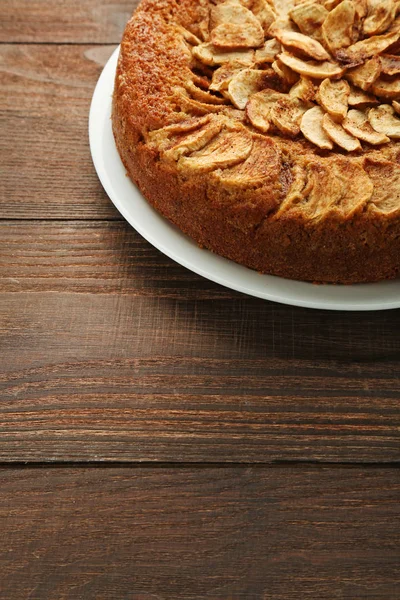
[(47, 171), (247, 534), (71, 21), (110, 351), (93, 257)]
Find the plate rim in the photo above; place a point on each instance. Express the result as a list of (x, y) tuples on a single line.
[(100, 119)]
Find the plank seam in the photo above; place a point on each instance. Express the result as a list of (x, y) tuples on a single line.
[(276, 464)]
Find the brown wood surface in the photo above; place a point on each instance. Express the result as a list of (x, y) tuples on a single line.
[(64, 21), (217, 534), (47, 170), (115, 352), (142, 407)]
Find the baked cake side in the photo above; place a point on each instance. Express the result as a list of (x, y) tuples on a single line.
[(245, 182)]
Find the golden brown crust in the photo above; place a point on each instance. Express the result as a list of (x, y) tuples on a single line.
[(281, 206)]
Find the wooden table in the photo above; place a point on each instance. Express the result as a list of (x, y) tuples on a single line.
[(162, 437)]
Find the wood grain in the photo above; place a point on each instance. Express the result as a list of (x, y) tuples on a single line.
[(217, 534), (47, 171), (113, 352), (71, 21)]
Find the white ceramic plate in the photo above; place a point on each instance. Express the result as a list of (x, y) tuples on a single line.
[(169, 240)]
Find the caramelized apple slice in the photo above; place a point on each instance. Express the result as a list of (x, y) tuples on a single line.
[(357, 124), (259, 106), (230, 147), (383, 120), (333, 97), (339, 135), (312, 129), (313, 69), (338, 27), (234, 26)]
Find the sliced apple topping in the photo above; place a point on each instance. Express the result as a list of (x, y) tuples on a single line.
[(263, 162), (188, 36), (309, 17), (282, 6), (285, 73), (380, 15), (246, 3), (312, 129), (339, 135), (304, 90), (243, 85), (365, 75), (184, 126), (286, 115), (358, 53), (333, 97), (194, 141), (358, 125), (337, 28), (164, 138), (302, 43), (331, 4), (202, 81), (259, 107), (385, 199), (396, 106), (273, 59), (264, 13), (358, 98), (383, 120), (313, 69), (202, 95), (361, 7), (395, 26), (234, 26), (223, 76), (281, 24), (268, 52), (390, 64), (387, 88), (196, 107), (229, 148), (209, 54), (342, 186)]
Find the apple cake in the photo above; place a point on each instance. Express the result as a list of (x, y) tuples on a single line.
[(267, 130)]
